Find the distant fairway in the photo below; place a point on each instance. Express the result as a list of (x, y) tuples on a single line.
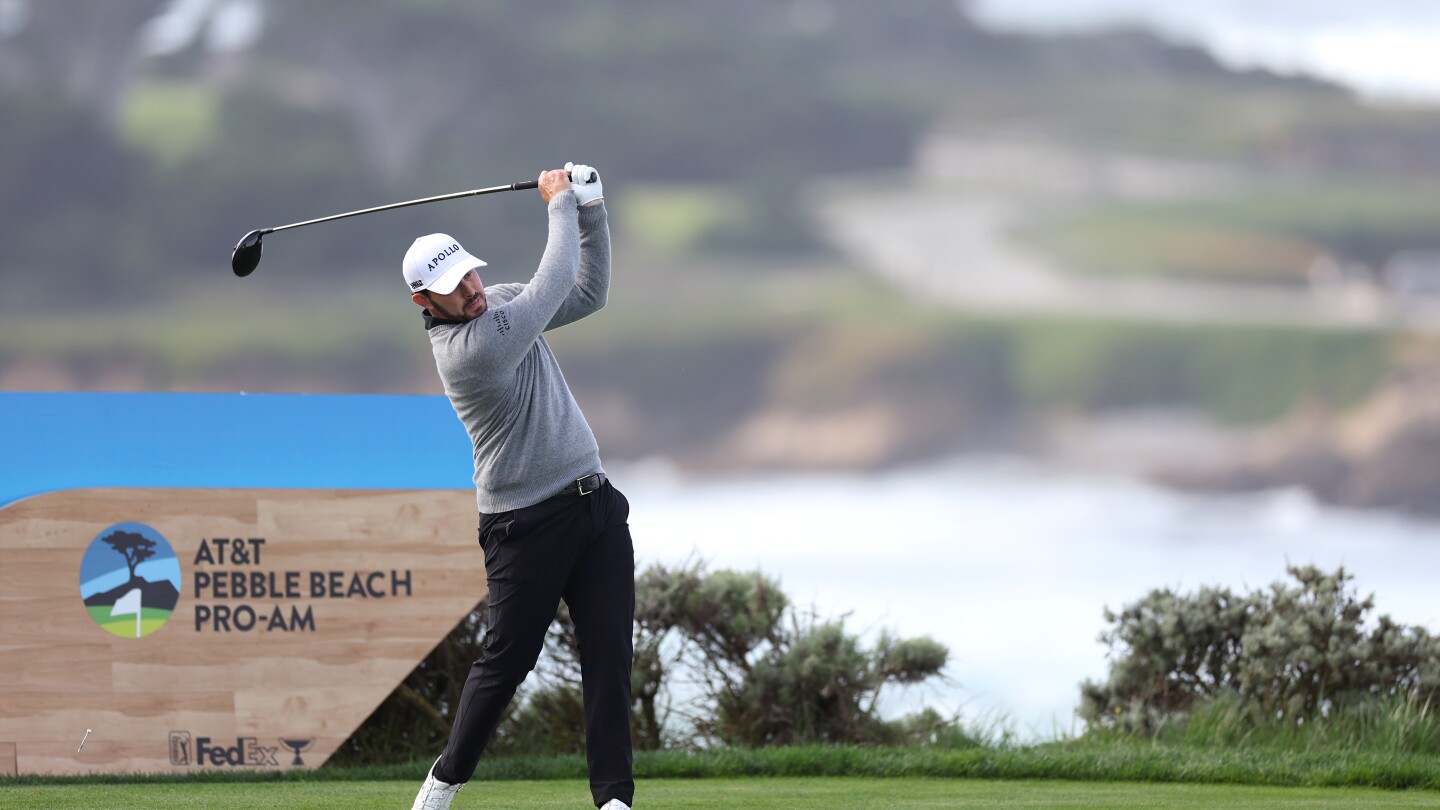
[(710, 794)]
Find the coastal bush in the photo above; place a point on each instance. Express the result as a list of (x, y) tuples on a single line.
[(1291, 656), (721, 658)]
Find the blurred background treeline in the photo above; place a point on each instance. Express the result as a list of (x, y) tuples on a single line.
[(847, 234)]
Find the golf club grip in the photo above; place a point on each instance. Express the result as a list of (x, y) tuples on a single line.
[(524, 184)]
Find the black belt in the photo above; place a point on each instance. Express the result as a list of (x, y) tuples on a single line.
[(585, 485)]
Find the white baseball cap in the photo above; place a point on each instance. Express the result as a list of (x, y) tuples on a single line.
[(437, 262)]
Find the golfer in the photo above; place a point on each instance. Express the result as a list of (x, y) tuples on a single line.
[(552, 526)]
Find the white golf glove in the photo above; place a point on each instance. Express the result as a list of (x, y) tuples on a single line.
[(586, 190)]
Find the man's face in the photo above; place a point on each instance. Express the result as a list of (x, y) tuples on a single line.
[(464, 303)]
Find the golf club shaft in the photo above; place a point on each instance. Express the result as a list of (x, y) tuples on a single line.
[(509, 187), (246, 255)]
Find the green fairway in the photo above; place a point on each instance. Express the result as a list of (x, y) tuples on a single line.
[(151, 619), (703, 794)]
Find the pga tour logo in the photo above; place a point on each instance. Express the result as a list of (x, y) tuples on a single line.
[(187, 750)]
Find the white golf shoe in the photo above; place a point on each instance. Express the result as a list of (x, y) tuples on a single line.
[(436, 795), (614, 804)]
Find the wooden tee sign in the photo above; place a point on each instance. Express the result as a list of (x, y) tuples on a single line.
[(210, 629), (221, 581)]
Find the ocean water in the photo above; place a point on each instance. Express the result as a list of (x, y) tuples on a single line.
[(1011, 565)]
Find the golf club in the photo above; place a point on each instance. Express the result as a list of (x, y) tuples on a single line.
[(246, 256)]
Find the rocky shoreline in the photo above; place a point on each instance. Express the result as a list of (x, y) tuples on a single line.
[(1383, 455)]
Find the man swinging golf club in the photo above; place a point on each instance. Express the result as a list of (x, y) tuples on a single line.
[(552, 526)]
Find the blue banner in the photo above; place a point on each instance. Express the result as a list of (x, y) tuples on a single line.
[(56, 441)]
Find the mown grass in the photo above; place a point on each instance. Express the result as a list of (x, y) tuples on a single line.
[(172, 121), (1261, 234), (1238, 374), (1220, 756), (1078, 760), (1135, 243), (676, 220), (792, 794)]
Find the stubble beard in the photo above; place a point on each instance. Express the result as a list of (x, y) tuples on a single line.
[(464, 315)]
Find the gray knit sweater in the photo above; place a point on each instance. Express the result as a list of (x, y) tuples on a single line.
[(528, 435)]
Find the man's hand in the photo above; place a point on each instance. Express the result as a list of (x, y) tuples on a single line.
[(552, 183), (586, 190)]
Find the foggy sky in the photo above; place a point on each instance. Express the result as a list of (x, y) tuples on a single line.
[(1385, 48)]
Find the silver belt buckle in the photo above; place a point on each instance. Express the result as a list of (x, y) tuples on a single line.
[(580, 485)]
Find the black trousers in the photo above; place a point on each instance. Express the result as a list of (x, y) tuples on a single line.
[(571, 547)]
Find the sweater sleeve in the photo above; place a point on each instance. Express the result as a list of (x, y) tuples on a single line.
[(592, 286), (497, 341)]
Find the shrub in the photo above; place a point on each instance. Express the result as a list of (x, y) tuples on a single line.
[(1291, 653), (715, 662)]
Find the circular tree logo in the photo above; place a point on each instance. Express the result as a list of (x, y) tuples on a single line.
[(130, 580)]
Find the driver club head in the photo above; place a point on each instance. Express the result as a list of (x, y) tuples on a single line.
[(247, 254)]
